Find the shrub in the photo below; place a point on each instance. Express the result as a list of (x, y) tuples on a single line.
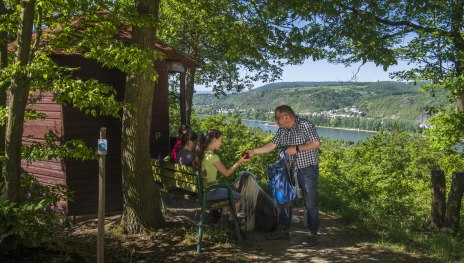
[(35, 220)]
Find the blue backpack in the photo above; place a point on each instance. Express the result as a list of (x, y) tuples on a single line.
[(280, 178)]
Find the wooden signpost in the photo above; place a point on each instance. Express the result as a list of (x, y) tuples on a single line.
[(102, 149)]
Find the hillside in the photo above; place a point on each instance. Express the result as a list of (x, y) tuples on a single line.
[(375, 101)]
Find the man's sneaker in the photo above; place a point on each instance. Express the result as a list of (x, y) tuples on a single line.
[(279, 233), (311, 240)]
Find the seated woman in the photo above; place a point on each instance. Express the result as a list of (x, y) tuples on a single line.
[(211, 163), (186, 155), (182, 130)]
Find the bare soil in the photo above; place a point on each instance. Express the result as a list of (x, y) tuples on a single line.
[(176, 242)]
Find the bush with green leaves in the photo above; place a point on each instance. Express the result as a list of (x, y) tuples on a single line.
[(36, 219), (383, 184), (385, 179)]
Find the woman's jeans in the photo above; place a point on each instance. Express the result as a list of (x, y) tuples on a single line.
[(222, 193), (307, 180)]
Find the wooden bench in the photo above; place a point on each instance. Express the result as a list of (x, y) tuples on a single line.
[(186, 178)]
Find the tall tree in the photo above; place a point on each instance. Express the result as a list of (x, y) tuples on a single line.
[(141, 200), (4, 39), (93, 36), (19, 92)]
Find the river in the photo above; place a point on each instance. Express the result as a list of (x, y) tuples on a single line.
[(332, 133)]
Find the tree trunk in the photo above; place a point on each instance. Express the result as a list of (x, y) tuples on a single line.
[(438, 198), (454, 201), (20, 85), (189, 90), (3, 64), (460, 104), (140, 197)]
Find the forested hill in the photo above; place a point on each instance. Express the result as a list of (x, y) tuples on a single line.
[(338, 104)]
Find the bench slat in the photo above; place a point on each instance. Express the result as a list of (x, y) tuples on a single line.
[(176, 175), (169, 181), (179, 176)]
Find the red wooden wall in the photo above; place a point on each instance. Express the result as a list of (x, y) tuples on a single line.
[(82, 176)]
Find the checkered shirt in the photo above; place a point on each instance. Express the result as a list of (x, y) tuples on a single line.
[(302, 131)]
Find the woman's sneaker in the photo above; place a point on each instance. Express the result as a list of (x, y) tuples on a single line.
[(311, 240)]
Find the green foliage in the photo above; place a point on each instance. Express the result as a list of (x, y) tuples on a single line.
[(383, 175), (35, 220), (30, 114), (52, 148), (427, 35), (94, 36), (90, 96), (239, 42), (447, 130), (383, 184)]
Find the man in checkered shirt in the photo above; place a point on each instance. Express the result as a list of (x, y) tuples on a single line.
[(302, 142)]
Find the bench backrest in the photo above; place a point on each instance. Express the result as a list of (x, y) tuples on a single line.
[(179, 176)]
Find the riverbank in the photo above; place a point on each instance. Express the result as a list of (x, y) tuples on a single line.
[(326, 127), (346, 129)]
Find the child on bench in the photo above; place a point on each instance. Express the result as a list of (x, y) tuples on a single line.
[(211, 163)]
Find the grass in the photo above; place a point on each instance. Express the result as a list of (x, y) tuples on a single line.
[(397, 236), (442, 246), (211, 233)]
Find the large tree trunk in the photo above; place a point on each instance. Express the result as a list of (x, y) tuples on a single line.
[(438, 198), (140, 197), (17, 103), (453, 208)]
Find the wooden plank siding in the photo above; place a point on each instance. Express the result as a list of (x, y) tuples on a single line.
[(82, 176), (159, 138), (47, 172)]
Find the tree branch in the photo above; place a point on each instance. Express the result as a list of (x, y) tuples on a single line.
[(405, 23)]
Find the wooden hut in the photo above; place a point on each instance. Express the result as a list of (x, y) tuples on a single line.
[(69, 123)]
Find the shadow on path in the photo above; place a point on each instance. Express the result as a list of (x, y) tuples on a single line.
[(338, 242)]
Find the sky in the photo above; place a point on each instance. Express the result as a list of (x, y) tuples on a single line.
[(324, 71)]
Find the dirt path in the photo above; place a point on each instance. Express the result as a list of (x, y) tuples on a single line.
[(176, 242), (339, 242)]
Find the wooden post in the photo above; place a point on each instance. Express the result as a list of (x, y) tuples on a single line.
[(183, 99), (454, 201), (102, 149), (438, 198)]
